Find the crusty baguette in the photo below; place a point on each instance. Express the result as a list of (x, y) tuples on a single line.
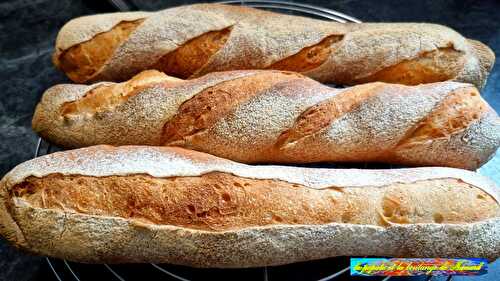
[(267, 116), (190, 41), (170, 205)]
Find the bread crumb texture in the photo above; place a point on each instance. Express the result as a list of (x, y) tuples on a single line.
[(220, 201)]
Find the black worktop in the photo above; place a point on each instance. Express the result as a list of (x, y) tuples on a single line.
[(28, 30)]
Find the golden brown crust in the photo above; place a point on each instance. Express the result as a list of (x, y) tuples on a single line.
[(192, 55), (190, 41), (203, 110), (220, 202), (281, 117), (456, 112), (108, 97), (439, 65), (82, 61), (323, 114), (129, 204), (309, 57)]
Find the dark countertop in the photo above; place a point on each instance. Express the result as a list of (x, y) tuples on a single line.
[(27, 34)]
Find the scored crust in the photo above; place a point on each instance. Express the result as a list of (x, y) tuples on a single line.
[(223, 202), (194, 40), (104, 238), (264, 116), (84, 28), (105, 160)]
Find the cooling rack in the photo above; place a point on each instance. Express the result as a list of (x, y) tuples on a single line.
[(322, 270)]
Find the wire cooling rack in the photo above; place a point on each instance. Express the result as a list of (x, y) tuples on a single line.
[(321, 270)]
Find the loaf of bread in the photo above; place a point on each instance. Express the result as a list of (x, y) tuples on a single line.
[(269, 116), (170, 205), (190, 41)]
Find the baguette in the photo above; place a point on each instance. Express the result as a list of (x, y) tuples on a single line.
[(190, 41), (170, 205), (267, 116)]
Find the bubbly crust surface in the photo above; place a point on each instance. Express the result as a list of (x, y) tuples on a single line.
[(222, 202), (100, 238)]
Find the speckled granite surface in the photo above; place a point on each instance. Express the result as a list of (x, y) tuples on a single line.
[(27, 33)]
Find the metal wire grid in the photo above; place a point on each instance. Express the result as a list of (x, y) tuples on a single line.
[(43, 148), (306, 9)]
